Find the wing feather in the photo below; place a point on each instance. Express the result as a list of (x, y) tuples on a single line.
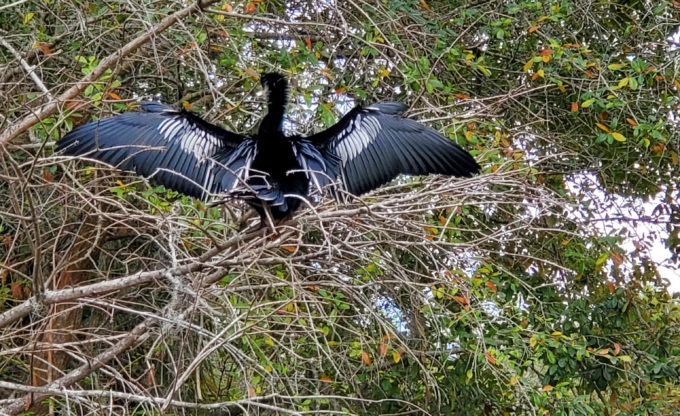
[(375, 144), (174, 148)]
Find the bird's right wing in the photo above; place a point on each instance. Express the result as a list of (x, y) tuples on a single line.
[(173, 148), (374, 144)]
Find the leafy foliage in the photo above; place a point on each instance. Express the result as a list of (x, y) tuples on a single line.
[(534, 288)]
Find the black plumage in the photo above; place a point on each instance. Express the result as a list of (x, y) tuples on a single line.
[(368, 147)]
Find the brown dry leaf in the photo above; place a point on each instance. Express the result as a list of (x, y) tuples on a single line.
[(546, 52), (149, 377), (574, 107), (308, 42), (461, 299), (532, 29), (492, 286), (289, 248), (490, 358), (15, 289), (611, 287), (602, 127), (382, 349), (462, 96), (365, 358), (617, 348), (326, 379), (70, 105), (424, 4), (547, 387), (115, 96), (43, 47), (631, 122), (250, 7)]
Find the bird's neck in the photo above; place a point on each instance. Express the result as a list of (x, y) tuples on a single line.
[(276, 106)]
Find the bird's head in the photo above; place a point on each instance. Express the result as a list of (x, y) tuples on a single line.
[(273, 81)]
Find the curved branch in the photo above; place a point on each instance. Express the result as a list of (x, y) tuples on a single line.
[(34, 117)]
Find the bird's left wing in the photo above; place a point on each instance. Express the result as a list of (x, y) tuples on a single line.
[(173, 148), (374, 144)]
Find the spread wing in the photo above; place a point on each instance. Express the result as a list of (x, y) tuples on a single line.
[(370, 146), (173, 148)]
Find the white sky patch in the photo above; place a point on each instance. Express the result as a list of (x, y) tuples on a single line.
[(636, 220), (674, 41)]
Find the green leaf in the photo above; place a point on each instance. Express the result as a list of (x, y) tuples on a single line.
[(588, 103), (28, 17), (618, 137)]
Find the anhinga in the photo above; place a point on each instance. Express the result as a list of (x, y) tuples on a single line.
[(368, 147)]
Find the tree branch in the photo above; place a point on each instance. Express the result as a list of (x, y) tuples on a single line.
[(32, 118)]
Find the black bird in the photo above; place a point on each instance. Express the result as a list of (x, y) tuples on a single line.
[(368, 147)]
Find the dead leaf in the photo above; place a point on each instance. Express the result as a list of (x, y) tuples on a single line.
[(365, 358), (382, 349), (326, 379), (15, 289), (602, 127), (617, 348), (574, 107), (461, 299), (250, 7), (490, 358), (43, 47), (532, 29)]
